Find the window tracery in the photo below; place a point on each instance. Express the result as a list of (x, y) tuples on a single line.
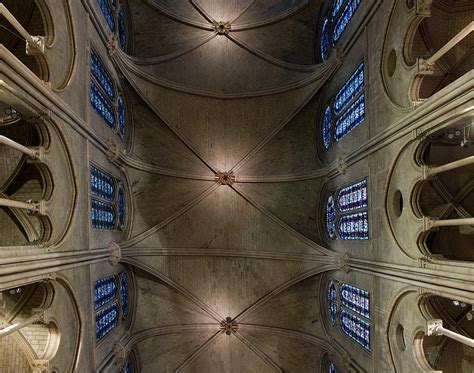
[(349, 218), (332, 368), (105, 97), (107, 200), (354, 315), (114, 15), (110, 303), (347, 109)]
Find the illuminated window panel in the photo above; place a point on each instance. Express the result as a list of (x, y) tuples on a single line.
[(327, 128), (104, 291), (331, 217), (101, 105), (121, 206), (355, 299), (108, 13), (325, 40), (103, 215), (121, 117), (105, 321), (129, 367), (122, 32), (102, 184), (343, 20), (332, 302), (101, 75), (336, 7), (351, 88), (332, 368), (124, 294), (353, 197), (356, 328), (350, 119), (354, 226)]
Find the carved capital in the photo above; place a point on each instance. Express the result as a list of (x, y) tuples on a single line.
[(423, 8), (115, 253), (36, 47), (225, 178), (424, 66), (120, 354), (113, 151), (40, 366), (112, 45), (344, 263), (341, 164), (339, 55)]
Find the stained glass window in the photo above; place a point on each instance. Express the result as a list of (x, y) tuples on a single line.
[(344, 19), (104, 98), (124, 294), (102, 75), (122, 32), (336, 7), (129, 367), (108, 13), (105, 290), (331, 217), (332, 368), (106, 320), (103, 215), (327, 128), (325, 42), (356, 328), (351, 88), (101, 105), (121, 117), (332, 301), (355, 299), (353, 197), (102, 184), (354, 226), (350, 119), (121, 206)]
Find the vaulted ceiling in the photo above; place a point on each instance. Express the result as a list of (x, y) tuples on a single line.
[(243, 103)]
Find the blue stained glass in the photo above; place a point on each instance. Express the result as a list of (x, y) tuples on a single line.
[(121, 206), (327, 128), (350, 119), (336, 7), (104, 291), (332, 302), (121, 116), (351, 88), (102, 184), (124, 294), (354, 226), (332, 368), (331, 217), (356, 328), (122, 31), (102, 76), (103, 215), (105, 321), (325, 42), (101, 105), (108, 13), (353, 197), (128, 367), (355, 299), (344, 19)]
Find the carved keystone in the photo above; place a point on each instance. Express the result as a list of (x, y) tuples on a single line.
[(115, 253), (222, 28), (225, 178), (229, 326)]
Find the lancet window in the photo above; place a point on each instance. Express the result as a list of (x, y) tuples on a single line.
[(107, 200), (114, 14), (335, 23), (332, 368), (346, 110), (105, 97), (348, 219), (110, 303), (352, 304)]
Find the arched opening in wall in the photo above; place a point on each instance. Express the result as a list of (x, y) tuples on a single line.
[(443, 353), (37, 22), (23, 179), (447, 194), (448, 18), (27, 338)]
